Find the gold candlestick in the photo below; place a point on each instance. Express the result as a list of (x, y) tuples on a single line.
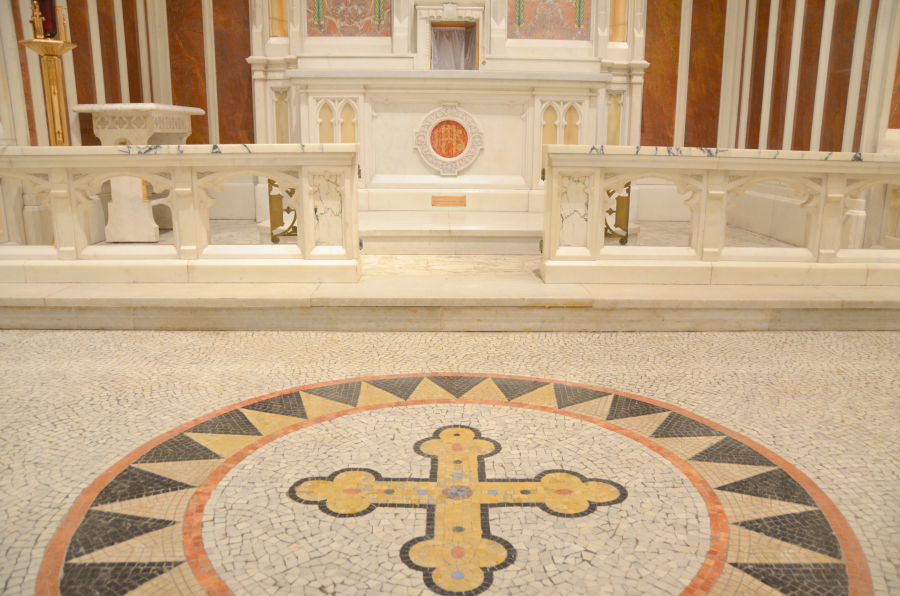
[(50, 51)]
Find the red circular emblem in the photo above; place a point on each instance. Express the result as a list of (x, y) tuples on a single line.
[(449, 138)]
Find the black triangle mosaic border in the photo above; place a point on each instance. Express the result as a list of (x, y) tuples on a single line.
[(100, 529)]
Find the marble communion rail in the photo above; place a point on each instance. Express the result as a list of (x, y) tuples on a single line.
[(829, 189), (832, 190), (68, 180)]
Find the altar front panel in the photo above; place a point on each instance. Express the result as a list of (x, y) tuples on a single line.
[(397, 163)]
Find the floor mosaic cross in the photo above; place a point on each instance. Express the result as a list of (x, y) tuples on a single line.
[(458, 553)]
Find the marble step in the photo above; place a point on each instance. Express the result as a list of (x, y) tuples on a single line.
[(447, 303), (450, 232)]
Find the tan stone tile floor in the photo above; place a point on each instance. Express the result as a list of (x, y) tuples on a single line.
[(720, 463)]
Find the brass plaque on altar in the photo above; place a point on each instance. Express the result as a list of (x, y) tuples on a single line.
[(448, 201)]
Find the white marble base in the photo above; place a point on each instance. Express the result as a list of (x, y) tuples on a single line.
[(223, 270), (130, 217), (441, 232), (446, 303), (719, 273)]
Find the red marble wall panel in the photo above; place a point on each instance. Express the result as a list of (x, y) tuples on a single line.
[(661, 78), (806, 78), (838, 74), (705, 76), (783, 45), (348, 18), (185, 22), (757, 73), (894, 116), (108, 51), (132, 51), (549, 19), (26, 78), (82, 58), (233, 81), (864, 83)]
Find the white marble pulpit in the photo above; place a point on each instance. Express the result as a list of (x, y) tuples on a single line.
[(136, 124)]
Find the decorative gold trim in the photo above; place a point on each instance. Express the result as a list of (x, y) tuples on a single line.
[(50, 51)]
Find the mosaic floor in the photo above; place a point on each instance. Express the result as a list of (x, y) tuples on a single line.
[(373, 469)]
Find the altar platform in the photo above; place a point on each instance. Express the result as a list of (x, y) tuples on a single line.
[(447, 293), (450, 232)]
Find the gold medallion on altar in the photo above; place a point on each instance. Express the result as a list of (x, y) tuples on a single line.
[(449, 139)]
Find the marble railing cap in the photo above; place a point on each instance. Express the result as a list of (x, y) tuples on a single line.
[(94, 150), (485, 75), (719, 153), (89, 108)]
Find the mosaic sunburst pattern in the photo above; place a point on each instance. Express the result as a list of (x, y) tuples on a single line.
[(453, 484)]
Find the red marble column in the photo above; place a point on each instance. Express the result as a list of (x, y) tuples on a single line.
[(26, 78), (864, 82), (757, 73), (806, 78), (234, 83), (661, 78), (705, 77), (109, 51), (185, 22), (838, 74), (894, 117), (132, 51), (82, 58), (783, 45)]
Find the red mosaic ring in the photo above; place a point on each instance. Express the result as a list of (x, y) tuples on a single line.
[(717, 461)]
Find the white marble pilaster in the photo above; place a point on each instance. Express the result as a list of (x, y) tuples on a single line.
[(62, 207), (574, 197), (832, 218), (714, 224), (190, 235), (328, 200)]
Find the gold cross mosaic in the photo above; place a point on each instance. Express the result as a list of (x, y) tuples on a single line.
[(458, 553)]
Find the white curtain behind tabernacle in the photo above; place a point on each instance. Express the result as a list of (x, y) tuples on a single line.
[(453, 48)]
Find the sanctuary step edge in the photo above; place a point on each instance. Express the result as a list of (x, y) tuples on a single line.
[(448, 232), (448, 303)]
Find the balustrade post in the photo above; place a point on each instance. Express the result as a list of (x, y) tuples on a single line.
[(714, 215), (832, 218), (891, 227), (190, 236), (351, 212), (63, 209)]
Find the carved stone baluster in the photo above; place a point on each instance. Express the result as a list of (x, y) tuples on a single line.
[(63, 209), (832, 218), (715, 216), (892, 217), (351, 213), (190, 236)]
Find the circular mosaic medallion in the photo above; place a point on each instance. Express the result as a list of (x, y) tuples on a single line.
[(455, 485), (449, 139)]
